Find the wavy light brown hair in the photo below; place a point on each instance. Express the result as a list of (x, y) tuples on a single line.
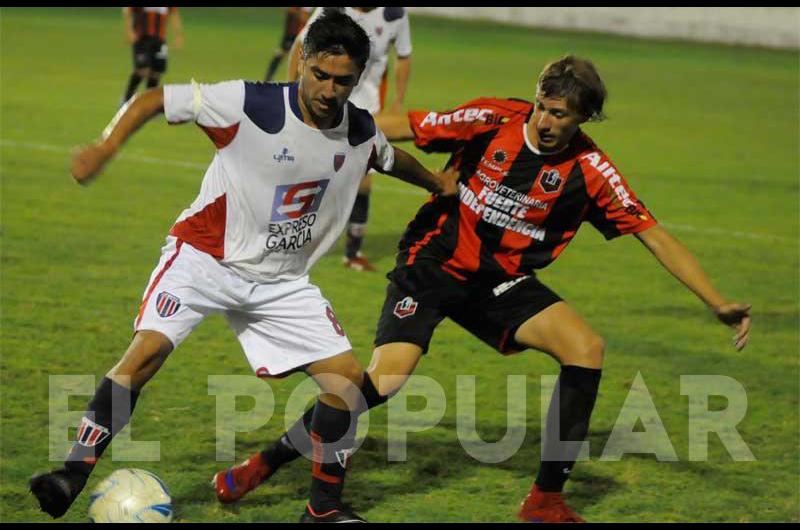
[(576, 80)]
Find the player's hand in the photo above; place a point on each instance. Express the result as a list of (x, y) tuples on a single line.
[(736, 316), (448, 182), (88, 161)]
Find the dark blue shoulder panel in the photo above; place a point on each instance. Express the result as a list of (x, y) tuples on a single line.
[(263, 104), (391, 14), (361, 126)]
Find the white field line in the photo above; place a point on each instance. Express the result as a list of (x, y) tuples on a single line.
[(397, 190)]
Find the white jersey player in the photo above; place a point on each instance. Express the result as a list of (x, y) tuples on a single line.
[(386, 27), (273, 200)]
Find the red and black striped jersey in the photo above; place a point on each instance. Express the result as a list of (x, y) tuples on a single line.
[(150, 21), (517, 209)]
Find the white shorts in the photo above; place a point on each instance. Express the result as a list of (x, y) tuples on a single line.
[(280, 326)]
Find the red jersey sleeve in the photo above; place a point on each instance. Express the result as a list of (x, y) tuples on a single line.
[(445, 131), (614, 208)]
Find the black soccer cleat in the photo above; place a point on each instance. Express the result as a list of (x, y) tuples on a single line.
[(56, 490), (341, 515)]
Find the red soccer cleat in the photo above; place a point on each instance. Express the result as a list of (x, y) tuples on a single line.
[(546, 507), (359, 263), (234, 483)]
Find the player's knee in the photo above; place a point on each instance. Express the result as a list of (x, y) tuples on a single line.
[(354, 373), (587, 353), (145, 356), (345, 382)]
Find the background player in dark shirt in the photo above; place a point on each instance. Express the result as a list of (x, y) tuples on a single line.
[(146, 32), (528, 178)]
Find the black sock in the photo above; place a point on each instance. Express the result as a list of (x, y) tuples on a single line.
[(133, 84), (357, 225), (296, 442), (273, 67), (332, 440), (573, 401), (108, 412), (152, 82)]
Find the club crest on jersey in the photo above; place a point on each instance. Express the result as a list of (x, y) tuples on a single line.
[(295, 200), (167, 304), (550, 180), (405, 307), (338, 161), (90, 433)]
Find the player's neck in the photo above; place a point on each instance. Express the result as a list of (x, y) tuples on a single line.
[(315, 121), (532, 139)]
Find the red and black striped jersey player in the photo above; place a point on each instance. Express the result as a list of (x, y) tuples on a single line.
[(529, 177), (146, 32)]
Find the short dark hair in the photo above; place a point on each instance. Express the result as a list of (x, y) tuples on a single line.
[(335, 33), (576, 80)]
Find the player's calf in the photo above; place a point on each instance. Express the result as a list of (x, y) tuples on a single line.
[(108, 412)]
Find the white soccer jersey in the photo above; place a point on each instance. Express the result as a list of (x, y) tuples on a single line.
[(385, 26), (278, 192)]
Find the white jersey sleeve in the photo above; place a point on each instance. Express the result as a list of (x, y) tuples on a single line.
[(384, 152), (217, 105), (402, 43)]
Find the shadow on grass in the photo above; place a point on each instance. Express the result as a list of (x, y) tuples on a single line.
[(433, 462)]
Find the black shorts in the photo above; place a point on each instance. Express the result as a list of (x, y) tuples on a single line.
[(150, 52), (419, 297)]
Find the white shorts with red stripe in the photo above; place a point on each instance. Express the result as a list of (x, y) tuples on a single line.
[(280, 325)]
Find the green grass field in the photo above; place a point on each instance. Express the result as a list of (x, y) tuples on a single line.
[(707, 135)]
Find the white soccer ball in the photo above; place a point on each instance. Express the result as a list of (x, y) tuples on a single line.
[(130, 496)]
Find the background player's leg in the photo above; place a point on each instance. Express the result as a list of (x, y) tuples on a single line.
[(108, 412), (562, 333), (357, 226), (133, 82), (158, 64), (153, 79), (274, 63)]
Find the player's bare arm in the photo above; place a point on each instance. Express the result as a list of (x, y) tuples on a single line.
[(395, 126), (402, 72), (408, 169), (89, 161), (677, 259)]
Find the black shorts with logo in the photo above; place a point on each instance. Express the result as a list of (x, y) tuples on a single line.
[(419, 297), (150, 52)]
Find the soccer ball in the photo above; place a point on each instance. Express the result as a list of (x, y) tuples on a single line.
[(130, 496)]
